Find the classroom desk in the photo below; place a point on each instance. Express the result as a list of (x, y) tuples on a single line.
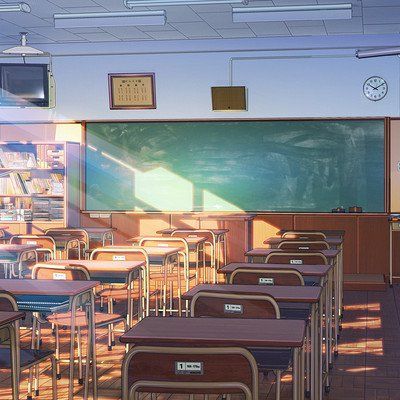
[(12, 254), (225, 332), (9, 320), (334, 242), (116, 272), (333, 259), (74, 290), (218, 240), (65, 241), (311, 295)]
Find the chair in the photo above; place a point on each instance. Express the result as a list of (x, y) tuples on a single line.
[(296, 258), (230, 305), (26, 358), (126, 253), (79, 235), (303, 245), (223, 370), (267, 276), (46, 245), (304, 235), (57, 319), (182, 244)]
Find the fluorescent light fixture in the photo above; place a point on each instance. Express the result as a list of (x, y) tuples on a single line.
[(148, 3), (15, 7), (292, 13), (127, 18), (390, 51)]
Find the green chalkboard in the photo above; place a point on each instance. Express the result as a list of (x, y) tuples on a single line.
[(294, 166)]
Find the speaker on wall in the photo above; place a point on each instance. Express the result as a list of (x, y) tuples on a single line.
[(228, 98)]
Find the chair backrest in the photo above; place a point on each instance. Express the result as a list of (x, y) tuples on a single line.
[(162, 241), (303, 245), (42, 241), (81, 234), (268, 276), (304, 235), (183, 370), (231, 305), (296, 258), (120, 253), (7, 301), (60, 272)]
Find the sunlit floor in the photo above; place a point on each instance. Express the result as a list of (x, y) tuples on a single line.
[(368, 366)]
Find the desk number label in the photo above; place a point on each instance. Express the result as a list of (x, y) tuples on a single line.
[(188, 368), (119, 258), (233, 308), (266, 281), (304, 248), (59, 276), (31, 242), (296, 262)]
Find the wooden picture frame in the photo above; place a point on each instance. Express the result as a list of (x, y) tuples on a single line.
[(132, 91)]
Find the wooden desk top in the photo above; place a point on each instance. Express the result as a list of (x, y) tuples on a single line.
[(46, 287), (217, 332), (152, 251), (290, 294), (227, 217), (97, 229), (262, 252), (332, 241), (17, 248), (6, 317), (100, 266), (303, 269), (191, 240), (327, 232), (169, 231)]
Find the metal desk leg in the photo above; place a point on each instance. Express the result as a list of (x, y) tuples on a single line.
[(15, 368), (295, 379), (92, 327)]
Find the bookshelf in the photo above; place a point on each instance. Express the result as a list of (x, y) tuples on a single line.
[(39, 183)]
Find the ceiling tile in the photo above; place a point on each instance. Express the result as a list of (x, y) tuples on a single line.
[(112, 5), (84, 30), (211, 8), (382, 3), (196, 29), (221, 21), (74, 3), (308, 30), (269, 28), (7, 28), (45, 9), (338, 26), (25, 20), (381, 29), (126, 32), (156, 28), (381, 15), (99, 37), (167, 35), (84, 10), (236, 33), (58, 35), (294, 2), (304, 23)]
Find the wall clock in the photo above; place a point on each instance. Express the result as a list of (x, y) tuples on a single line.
[(375, 88)]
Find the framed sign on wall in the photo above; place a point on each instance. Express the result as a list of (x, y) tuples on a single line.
[(132, 91)]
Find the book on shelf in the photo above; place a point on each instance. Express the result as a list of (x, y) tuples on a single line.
[(17, 159)]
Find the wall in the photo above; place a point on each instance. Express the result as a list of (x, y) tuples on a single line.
[(307, 77)]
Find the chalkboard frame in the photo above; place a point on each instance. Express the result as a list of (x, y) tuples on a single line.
[(385, 120)]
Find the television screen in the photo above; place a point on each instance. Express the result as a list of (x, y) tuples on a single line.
[(25, 85)]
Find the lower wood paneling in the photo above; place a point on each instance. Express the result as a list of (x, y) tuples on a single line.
[(266, 225)]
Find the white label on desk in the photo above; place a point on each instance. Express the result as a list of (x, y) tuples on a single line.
[(119, 258), (59, 276), (233, 308), (188, 368), (31, 242), (296, 262), (304, 248), (266, 281)]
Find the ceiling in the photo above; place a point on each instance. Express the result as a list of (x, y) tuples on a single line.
[(192, 22)]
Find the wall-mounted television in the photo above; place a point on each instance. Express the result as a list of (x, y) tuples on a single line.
[(25, 85)]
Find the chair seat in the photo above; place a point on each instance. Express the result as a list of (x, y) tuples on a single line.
[(42, 303), (28, 357), (117, 293), (311, 281), (272, 359), (64, 319)]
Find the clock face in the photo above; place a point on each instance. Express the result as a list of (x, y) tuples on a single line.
[(375, 88)]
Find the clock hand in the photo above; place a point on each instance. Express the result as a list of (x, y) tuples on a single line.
[(380, 85), (371, 86)]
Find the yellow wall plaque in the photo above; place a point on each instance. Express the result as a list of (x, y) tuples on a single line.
[(132, 91)]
